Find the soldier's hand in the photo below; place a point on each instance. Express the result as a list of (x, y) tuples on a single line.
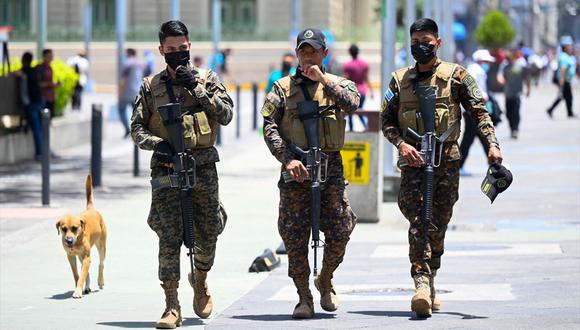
[(163, 152), (313, 72), (297, 170), (185, 77), (494, 155), (411, 155)]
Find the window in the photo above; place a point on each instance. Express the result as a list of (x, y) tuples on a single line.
[(238, 17), (103, 13), (15, 13)]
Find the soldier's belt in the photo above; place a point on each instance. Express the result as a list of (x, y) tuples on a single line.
[(169, 181)]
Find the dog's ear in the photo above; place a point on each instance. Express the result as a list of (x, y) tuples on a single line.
[(83, 224), (58, 227)]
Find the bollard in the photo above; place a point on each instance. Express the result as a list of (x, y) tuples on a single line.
[(238, 115), (45, 118), (135, 160), (255, 103), (96, 143)]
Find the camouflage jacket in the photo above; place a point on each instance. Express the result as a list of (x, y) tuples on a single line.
[(345, 96), (464, 91), (211, 97)]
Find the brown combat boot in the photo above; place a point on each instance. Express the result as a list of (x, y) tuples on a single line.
[(421, 302), (305, 307), (171, 318), (202, 303), (435, 302), (328, 299)]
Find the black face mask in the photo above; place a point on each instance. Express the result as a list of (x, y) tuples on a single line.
[(176, 59), (423, 52), (286, 66)]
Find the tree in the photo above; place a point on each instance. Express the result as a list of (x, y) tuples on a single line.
[(495, 30)]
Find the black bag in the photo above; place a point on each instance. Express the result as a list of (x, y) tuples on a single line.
[(555, 79), (265, 262), (494, 110)]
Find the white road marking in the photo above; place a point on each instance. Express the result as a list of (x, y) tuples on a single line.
[(393, 292), (402, 250)]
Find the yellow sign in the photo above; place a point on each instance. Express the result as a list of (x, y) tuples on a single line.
[(356, 158)]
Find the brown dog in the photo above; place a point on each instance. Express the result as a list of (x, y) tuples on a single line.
[(79, 234)]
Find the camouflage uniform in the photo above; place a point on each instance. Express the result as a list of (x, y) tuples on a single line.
[(165, 215), (464, 91), (337, 220)]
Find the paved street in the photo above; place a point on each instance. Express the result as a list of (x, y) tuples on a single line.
[(511, 265)]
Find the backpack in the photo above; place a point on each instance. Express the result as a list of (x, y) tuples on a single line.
[(494, 110)]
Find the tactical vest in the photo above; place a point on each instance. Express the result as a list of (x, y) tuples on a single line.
[(447, 111), (199, 131), (331, 123)]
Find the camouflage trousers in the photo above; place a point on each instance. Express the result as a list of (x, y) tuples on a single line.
[(209, 219), (445, 194), (337, 220)]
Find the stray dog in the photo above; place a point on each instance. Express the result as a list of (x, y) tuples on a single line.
[(79, 234)]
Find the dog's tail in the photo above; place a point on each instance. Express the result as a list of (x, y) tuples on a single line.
[(89, 191)]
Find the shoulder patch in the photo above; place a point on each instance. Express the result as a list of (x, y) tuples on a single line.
[(384, 105), (472, 87), (268, 109), (389, 94)]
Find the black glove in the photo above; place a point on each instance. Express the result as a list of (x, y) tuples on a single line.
[(185, 77), (163, 152)]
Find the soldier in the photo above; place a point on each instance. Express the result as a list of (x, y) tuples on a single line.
[(337, 97), (399, 110), (201, 94)]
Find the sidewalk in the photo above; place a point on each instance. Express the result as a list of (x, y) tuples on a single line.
[(514, 264)]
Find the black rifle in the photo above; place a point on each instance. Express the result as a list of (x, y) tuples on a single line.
[(313, 157), (183, 176), (431, 150)]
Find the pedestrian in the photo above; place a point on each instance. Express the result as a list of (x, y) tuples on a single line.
[(131, 77), (478, 70), (45, 77), (357, 70), (336, 97), (149, 66), (31, 98), (455, 87), (286, 68), (201, 93), (513, 74), (198, 61), (80, 64), (564, 76)]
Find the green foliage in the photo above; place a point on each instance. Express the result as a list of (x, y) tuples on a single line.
[(68, 78), (60, 73), (494, 31)]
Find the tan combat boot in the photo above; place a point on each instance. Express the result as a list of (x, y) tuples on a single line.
[(421, 302), (328, 299), (171, 318), (202, 304), (435, 302), (305, 307)]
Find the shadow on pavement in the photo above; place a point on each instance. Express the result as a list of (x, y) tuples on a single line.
[(62, 296), (280, 317), (412, 315), (463, 316), (146, 324), (68, 294)]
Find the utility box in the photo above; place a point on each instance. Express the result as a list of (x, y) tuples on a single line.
[(362, 158)]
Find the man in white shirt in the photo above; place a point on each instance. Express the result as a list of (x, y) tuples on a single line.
[(478, 69), (80, 64)]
